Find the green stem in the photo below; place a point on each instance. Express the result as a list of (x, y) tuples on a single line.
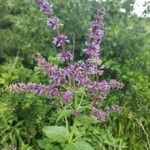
[(82, 96), (66, 120), (148, 142), (70, 140), (76, 106), (75, 101)]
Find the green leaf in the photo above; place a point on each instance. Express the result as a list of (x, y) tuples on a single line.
[(79, 145), (55, 133), (63, 114), (45, 144), (83, 145), (71, 147)]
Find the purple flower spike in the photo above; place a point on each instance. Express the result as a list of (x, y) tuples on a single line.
[(96, 34), (99, 86), (44, 64), (113, 108), (67, 96), (116, 108), (48, 91), (65, 56), (54, 23), (116, 84), (60, 40)]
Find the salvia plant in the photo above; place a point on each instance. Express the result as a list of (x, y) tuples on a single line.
[(76, 81)]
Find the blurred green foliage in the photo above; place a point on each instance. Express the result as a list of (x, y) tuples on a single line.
[(126, 56)]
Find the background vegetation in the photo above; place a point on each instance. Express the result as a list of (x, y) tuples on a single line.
[(126, 56)]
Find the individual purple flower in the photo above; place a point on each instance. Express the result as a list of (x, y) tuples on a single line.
[(54, 23), (92, 85), (103, 95), (73, 69), (57, 76), (67, 96), (102, 114), (103, 86), (92, 67), (96, 35), (99, 86), (99, 114), (39, 2), (100, 14), (97, 27), (98, 89), (92, 49), (60, 40), (81, 79), (44, 64), (45, 7), (52, 91), (116, 84), (116, 108), (113, 108), (65, 56), (77, 72)]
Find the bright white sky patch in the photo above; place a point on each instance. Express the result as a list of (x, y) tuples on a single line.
[(139, 8)]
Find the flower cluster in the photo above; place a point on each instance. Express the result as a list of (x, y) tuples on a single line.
[(65, 81), (55, 74), (92, 49), (67, 96), (65, 56), (102, 114), (45, 7), (54, 23), (60, 40)]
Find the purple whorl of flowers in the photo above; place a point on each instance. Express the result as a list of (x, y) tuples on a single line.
[(54, 23), (99, 114), (65, 56), (63, 80), (45, 7), (67, 97), (92, 49), (102, 114), (60, 40)]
